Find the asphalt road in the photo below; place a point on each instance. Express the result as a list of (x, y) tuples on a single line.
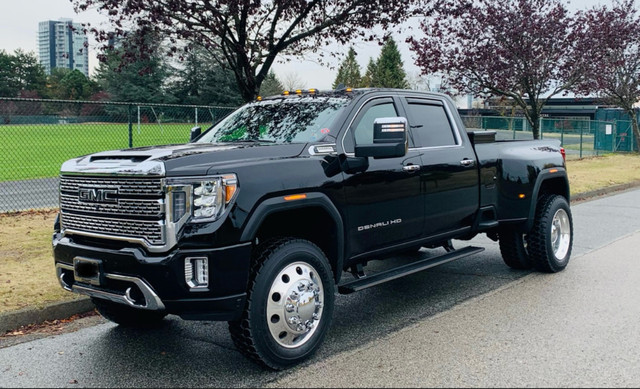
[(26, 194), (473, 322)]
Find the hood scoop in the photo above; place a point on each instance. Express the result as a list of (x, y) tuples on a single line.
[(117, 163), (130, 158)]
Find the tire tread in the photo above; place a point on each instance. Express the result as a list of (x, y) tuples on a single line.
[(538, 238)]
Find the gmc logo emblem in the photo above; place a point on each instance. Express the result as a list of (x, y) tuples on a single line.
[(98, 195)]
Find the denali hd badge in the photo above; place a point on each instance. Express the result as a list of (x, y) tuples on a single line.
[(98, 195), (379, 224)]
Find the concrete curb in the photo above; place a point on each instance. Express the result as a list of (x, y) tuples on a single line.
[(604, 191), (10, 321)]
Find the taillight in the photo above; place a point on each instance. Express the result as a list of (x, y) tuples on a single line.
[(564, 154)]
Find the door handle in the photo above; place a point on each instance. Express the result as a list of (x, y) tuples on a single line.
[(467, 162), (411, 168)]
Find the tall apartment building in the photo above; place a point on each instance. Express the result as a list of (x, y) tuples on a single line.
[(62, 44)]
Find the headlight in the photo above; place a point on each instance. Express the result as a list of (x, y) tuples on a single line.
[(203, 198)]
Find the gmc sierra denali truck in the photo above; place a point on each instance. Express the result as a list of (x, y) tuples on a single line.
[(262, 219)]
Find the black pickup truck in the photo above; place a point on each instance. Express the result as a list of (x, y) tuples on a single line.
[(261, 219)]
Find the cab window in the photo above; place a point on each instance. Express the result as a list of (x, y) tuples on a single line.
[(362, 127), (430, 123)]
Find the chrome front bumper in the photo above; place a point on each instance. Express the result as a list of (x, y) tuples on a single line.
[(71, 281)]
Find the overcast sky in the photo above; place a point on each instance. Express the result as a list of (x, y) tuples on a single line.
[(19, 27)]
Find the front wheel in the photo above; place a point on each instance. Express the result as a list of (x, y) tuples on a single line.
[(551, 238), (289, 304)]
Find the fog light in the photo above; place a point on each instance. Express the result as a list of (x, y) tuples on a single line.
[(196, 272)]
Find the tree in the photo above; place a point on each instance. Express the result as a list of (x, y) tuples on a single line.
[(248, 36), (348, 72), (614, 46), (67, 84), (199, 80), (271, 85), (369, 78), (389, 71), (135, 81), (525, 50), (292, 81), (20, 72)]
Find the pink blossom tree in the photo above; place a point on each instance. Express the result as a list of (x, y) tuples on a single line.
[(247, 36), (525, 50), (613, 45)]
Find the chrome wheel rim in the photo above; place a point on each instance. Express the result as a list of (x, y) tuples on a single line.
[(294, 305), (560, 234)]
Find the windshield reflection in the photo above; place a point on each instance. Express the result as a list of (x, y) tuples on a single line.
[(286, 120)]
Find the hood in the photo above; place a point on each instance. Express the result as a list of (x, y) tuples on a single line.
[(191, 159)]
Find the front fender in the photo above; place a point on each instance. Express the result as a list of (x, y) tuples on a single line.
[(284, 203)]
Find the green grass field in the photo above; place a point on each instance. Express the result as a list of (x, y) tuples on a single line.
[(37, 151)]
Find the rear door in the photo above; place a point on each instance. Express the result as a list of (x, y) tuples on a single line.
[(449, 173)]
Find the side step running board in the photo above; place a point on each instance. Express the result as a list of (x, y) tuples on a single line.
[(404, 270)]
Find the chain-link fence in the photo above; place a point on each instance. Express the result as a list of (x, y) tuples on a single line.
[(580, 137), (37, 136)]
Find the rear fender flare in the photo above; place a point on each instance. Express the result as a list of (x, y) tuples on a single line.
[(544, 176)]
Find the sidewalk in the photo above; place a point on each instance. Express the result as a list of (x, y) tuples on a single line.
[(61, 310), (576, 328)]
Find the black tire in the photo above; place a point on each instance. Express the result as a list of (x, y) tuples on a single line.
[(551, 239), (286, 277), (513, 247), (128, 316)]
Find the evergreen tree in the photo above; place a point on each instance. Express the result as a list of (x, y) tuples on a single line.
[(348, 72), (389, 72), (199, 80), (271, 85), (143, 80), (368, 80), (20, 72), (67, 84)]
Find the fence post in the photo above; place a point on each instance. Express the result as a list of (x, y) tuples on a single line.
[(196, 117), (614, 135), (130, 128), (582, 131)]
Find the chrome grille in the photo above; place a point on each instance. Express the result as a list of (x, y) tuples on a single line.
[(134, 210), (151, 231), (137, 187), (142, 207)]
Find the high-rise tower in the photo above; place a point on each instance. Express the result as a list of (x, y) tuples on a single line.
[(63, 44)]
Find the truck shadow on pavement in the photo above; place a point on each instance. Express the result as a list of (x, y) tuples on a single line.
[(203, 353)]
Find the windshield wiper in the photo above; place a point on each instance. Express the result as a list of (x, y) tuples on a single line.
[(255, 140)]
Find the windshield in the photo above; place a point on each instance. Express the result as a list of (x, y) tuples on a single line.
[(286, 120)]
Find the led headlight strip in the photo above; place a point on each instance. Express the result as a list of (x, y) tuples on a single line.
[(203, 198)]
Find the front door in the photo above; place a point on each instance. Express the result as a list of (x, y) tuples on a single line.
[(384, 203)]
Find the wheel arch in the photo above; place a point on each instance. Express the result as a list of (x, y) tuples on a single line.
[(553, 181), (313, 217)]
